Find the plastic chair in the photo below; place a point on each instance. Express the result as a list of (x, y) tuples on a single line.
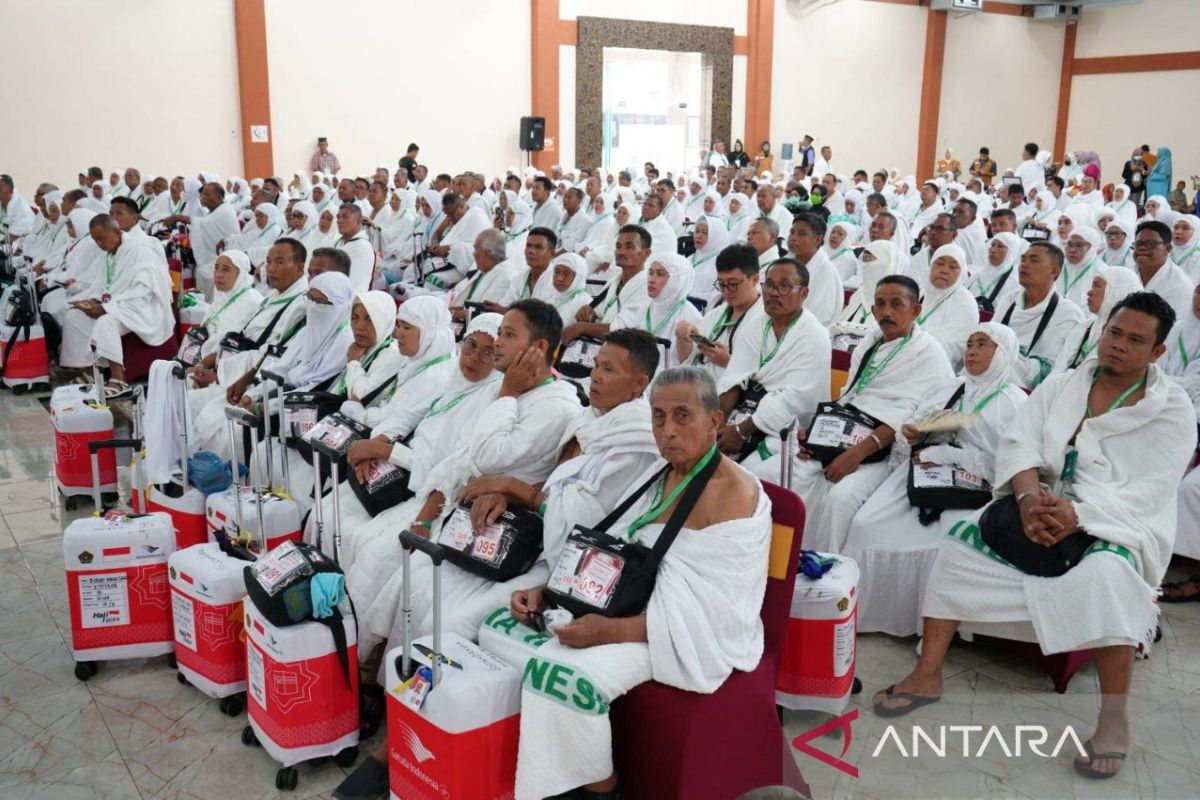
[(139, 355), (669, 743)]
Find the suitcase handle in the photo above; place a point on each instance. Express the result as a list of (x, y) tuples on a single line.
[(241, 416), (112, 444), (410, 541), (785, 457)]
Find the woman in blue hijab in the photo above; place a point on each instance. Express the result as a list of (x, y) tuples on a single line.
[(1160, 176)]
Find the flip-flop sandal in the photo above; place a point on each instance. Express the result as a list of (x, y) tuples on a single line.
[(1184, 598), (915, 701), (1084, 768), (117, 390)]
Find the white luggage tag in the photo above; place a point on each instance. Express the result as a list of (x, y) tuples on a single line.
[(414, 690)]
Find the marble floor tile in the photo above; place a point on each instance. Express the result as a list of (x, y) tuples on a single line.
[(108, 779), (46, 736), (6, 538), (24, 496), (23, 612), (220, 766), (34, 668), (1144, 775), (33, 526)]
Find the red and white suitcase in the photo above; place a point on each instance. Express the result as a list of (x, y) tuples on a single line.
[(24, 361), (78, 418), (817, 670), (207, 588), (185, 504), (461, 741), (117, 588), (266, 510)]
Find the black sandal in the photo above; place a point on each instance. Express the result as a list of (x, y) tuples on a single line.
[(1085, 768), (372, 708), (1181, 586), (915, 701)]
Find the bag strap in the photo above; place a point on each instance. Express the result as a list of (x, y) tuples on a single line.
[(999, 285), (598, 299), (628, 502), (1043, 322), (954, 398), (686, 503), (862, 364), (266, 334), (378, 390)]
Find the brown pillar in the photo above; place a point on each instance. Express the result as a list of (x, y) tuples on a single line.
[(1064, 93), (931, 93), (250, 24)]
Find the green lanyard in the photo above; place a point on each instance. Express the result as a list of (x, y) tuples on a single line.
[(1186, 254), (508, 237), (763, 357), (1071, 460), (870, 371), (841, 252), (616, 298), (1068, 284), (179, 207), (979, 406), (365, 362), (986, 289), (420, 369), (228, 303), (723, 322), (110, 265), (475, 285), (569, 298), (654, 329), (436, 411), (921, 319), (660, 504), (1184, 354), (696, 264)]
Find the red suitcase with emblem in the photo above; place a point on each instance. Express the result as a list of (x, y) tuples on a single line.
[(117, 588), (23, 358), (78, 418)]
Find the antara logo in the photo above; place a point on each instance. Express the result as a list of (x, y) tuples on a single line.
[(415, 744)]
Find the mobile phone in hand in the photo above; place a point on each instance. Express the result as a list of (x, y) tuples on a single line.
[(698, 339)]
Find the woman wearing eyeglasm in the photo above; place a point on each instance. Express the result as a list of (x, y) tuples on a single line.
[(732, 318)]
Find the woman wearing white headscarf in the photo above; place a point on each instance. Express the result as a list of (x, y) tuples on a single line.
[(1075, 278), (256, 239), (306, 232), (301, 186), (878, 260), (740, 217), (518, 218), (318, 353), (1185, 245), (52, 241), (1076, 216), (191, 194), (894, 550), (948, 309), (995, 278), (396, 235), (1122, 206), (569, 277), (323, 197), (1045, 210), (326, 233), (714, 207), (1110, 285), (599, 246), (839, 248), (1156, 206), (669, 278), (711, 239), (1118, 243), (234, 301), (75, 269)]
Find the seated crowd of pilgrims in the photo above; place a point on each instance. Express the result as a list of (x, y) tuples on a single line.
[(555, 344)]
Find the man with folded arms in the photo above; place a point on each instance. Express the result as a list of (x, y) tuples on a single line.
[(1111, 439)]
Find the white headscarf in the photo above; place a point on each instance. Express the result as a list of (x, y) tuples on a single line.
[(1162, 203), (847, 243), (872, 271), (522, 213), (243, 281), (309, 211), (488, 323), (1008, 349), (80, 218), (326, 334), (431, 220), (561, 300), (381, 308), (271, 212), (1047, 213), (1180, 253), (326, 198), (1118, 256), (719, 209), (665, 309), (1186, 333), (1121, 205), (304, 188), (431, 316), (1092, 236)]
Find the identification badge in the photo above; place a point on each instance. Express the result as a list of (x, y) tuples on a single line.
[(1069, 463), (491, 545), (414, 691), (829, 430), (380, 474), (457, 531), (597, 578), (301, 420), (580, 352), (562, 579), (277, 568)]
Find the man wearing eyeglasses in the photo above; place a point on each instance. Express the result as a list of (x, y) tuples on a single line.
[(942, 231), (782, 369), (730, 320), (1151, 249)]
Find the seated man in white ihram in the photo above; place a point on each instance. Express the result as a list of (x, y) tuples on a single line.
[(697, 624), (1071, 551), (890, 370), (207, 232), (778, 375), (132, 296), (894, 542)]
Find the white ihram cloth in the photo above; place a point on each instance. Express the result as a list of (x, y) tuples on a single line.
[(663, 238), (515, 436), (600, 242), (362, 260), (893, 550), (718, 328), (1171, 284), (255, 240), (1035, 365), (164, 421), (460, 238), (825, 296), (230, 311), (1120, 496), (796, 378), (138, 301), (624, 304), (702, 623), (892, 398), (1119, 283), (485, 287), (617, 447), (950, 314), (204, 233), (670, 307), (17, 217)]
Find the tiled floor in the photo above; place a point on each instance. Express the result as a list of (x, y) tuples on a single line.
[(134, 732)]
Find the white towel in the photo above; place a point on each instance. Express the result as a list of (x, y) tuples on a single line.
[(164, 422)]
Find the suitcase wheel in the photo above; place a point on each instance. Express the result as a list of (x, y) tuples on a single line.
[(179, 677), (346, 758), (19, 389), (856, 688), (71, 503), (86, 669), (248, 737), (171, 662), (233, 705), (286, 779)]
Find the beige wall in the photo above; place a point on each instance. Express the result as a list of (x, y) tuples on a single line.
[(90, 84), (1153, 26), (373, 75), (850, 75), (999, 86)]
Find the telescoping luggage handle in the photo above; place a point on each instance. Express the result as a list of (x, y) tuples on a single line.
[(275, 379), (785, 457), (94, 449), (179, 372), (247, 419), (410, 541)]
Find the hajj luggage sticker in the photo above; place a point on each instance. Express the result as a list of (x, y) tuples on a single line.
[(104, 600)]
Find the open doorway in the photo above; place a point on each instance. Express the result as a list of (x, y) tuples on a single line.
[(657, 107)]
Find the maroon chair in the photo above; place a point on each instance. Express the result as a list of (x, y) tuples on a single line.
[(139, 355), (1061, 667), (668, 743)]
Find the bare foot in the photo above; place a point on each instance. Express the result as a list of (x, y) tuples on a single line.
[(915, 683)]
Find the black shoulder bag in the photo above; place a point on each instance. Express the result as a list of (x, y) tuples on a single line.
[(1001, 529), (505, 549), (934, 490), (597, 573), (835, 428)]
